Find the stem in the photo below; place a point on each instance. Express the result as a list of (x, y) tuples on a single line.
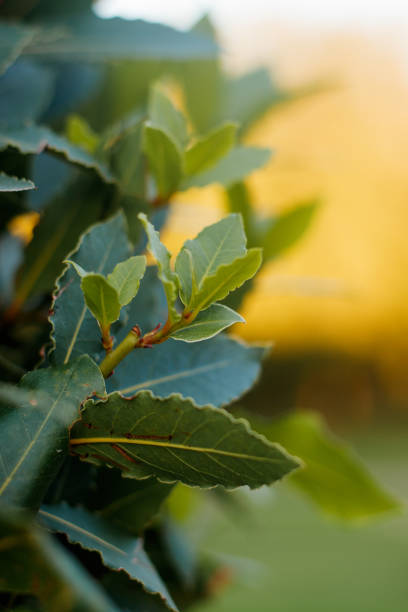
[(113, 358)]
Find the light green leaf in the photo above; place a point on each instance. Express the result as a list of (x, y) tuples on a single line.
[(164, 115), (239, 201), (12, 183), (208, 324), (75, 330), (164, 158), (118, 550), (45, 404), (78, 269), (33, 562), (333, 477), (79, 132), (13, 39), (215, 372), (174, 440), (126, 277), (287, 229), (227, 278), (101, 298), (216, 245), (162, 257), (206, 151), (36, 138), (93, 39), (234, 167)]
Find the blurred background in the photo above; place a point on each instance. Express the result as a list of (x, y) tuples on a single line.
[(335, 305)]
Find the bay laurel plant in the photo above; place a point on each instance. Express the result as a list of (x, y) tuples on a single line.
[(120, 385)]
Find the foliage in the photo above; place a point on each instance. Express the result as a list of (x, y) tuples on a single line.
[(82, 384)]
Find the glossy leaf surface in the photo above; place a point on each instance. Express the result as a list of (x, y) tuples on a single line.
[(101, 298), (12, 183), (126, 277), (208, 323)]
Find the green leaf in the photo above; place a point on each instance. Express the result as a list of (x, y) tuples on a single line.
[(233, 167), (206, 151), (126, 277), (12, 183), (75, 330), (216, 372), (55, 235), (37, 419), (164, 157), (287, 229), (79, 132), (333, 477), (101, 298), (164, 115), (129, 595), (208, 324), (26, 90), (90, 38), (130, 504), (166, 275), (33, 562), (218, 244), (124, 143), (174, 440), (13, 39), (239, 201), (36, 138), (118, 550)]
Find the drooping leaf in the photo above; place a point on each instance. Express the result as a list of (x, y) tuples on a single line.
[(36, 416), (126, 277), (215, 372), (164, 115), (33, 562), (90, 38), (208, 323), (233, 167), (12, 183), (55, 235), (118, 550), (25, 92), (162, 257), (287, 229), (75, 330), (130, 504), (333, 477), (36, 138), (101, 298), (164, 157), (174, 440), (13, 39), (80, 133), (207, 150)]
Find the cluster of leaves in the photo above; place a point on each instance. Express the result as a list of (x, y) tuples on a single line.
[(97, 435)]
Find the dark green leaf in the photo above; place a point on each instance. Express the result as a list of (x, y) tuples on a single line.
[(12, 183), (118, 550), (25, 92), (164, 115), (13, 39), (208, 323), (126, 277), (101, 298), (75, 330), (287, 229), (216, 372), (234, 167), (174, 440), (129, 596), (41, 168), (37, 418), (206, 151), (31, 561), (164, 157), (333, 477), (56, 234), (36, 138), (93, 39), (238, 201)]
